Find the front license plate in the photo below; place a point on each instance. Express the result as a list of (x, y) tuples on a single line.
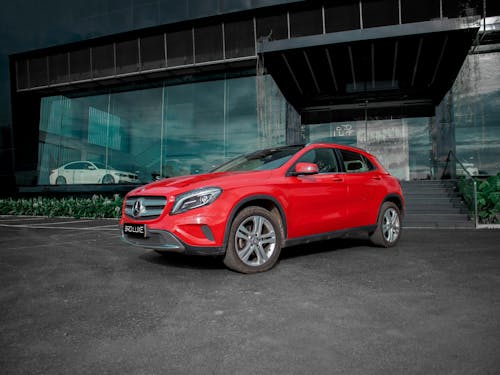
[(136, 230)]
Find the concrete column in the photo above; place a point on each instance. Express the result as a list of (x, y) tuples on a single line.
[(295, 131), (442, 133)]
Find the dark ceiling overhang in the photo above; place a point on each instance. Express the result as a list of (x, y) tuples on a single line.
[(384, 72)]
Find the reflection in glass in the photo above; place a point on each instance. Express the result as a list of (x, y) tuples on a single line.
[(404, 146), (401, 145), (137, 136), (86, 172), (476, 108)]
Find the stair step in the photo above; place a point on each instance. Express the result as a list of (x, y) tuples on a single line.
[(434, 201), (434, 204), (437, 210), (427, 191), (437, 225), (432, 215)]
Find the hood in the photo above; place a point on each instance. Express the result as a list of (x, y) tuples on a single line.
[(178, 185)]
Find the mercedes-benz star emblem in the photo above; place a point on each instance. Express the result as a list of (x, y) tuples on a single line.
[(138, 209)]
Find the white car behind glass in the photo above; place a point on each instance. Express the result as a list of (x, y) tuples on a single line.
[(89, 172)]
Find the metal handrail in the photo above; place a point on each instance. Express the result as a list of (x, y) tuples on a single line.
[(474, 182)]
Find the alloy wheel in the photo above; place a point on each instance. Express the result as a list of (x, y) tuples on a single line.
[(255, 241), (391, 225)]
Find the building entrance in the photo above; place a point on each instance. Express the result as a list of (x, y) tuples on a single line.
[(402, 145)]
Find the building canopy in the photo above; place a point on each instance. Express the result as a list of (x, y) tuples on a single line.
[(390, 71)]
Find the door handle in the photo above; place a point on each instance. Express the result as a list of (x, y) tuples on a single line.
[(337, 179), (376, 178)]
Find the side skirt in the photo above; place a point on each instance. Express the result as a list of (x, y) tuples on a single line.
[(327, 236)]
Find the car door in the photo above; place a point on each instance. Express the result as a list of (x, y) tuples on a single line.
[(316, 202), (92, 174), (80, 172), (365, 189), (70, 172)]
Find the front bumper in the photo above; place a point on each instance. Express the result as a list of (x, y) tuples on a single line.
[(126, 180), (162, 240)]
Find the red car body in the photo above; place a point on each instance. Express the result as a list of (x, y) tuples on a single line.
[(306, 201)]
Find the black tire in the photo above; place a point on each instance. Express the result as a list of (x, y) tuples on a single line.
[(61, 180), (108, 179), (389, 226), (254, 242)]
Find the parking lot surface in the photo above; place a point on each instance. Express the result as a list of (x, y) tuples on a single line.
[(74, 299)]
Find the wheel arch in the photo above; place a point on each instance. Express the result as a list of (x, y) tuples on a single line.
[(106, 175), (265, 201), (397, 200), (377, 236)]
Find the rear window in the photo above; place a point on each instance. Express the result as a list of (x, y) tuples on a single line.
[(355, 162)]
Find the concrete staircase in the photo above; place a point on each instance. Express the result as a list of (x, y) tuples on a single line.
[(434, 204)]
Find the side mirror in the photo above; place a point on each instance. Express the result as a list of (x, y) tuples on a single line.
[(305, 169)]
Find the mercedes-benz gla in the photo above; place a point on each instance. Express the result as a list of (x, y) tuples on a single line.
[(250, 208)]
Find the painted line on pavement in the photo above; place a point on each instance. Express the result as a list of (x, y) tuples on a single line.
[(67, 222), (57, 227), (441, 228), (28, 218)]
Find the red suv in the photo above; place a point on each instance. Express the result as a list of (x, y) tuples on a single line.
[(251, 207)]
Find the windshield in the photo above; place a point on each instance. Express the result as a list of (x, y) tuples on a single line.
[(260, 160)]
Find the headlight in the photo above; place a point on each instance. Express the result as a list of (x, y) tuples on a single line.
[(195, 198)]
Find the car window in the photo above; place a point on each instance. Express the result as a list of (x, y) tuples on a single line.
[(355, 163), (324, 158), (77, 165)]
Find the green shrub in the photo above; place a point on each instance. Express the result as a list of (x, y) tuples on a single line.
[(488, 197), (95, 207)]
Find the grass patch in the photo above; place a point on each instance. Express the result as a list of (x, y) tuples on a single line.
[(95, 208)]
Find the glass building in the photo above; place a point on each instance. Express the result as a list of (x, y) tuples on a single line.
[(108, 92)]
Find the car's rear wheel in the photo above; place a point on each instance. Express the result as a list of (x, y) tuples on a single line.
[(60, 180), (108, 179), (254, 242), (388, 231)]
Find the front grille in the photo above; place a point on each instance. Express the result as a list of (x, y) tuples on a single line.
[(156, 239), (150, 207)]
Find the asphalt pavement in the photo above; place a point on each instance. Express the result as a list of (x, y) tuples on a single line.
[(74, 299)]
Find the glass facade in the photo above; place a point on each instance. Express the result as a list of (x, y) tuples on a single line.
[(187, 126), (172, 130), (53, 22), (401, 145), (405, 146), (476, 108)]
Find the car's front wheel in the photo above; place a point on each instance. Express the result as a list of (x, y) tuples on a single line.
[(108, 179), (254, 242), (389, 227)]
